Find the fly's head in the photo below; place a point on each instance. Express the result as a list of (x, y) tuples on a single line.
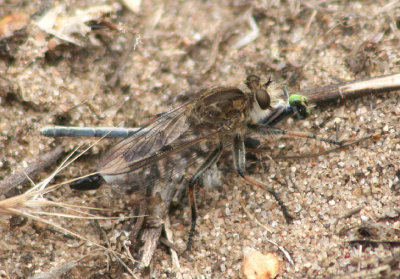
[(262, 100), (299, 103), (259, 91)]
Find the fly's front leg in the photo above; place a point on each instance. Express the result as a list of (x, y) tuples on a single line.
[(239, 160), (211, 159), (268, 130)]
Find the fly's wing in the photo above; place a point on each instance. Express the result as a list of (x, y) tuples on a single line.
[(167, 134), (146, 142)]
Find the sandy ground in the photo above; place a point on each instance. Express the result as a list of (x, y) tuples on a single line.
[(192, 44)]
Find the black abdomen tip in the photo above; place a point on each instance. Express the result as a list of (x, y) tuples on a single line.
[(92, 182)]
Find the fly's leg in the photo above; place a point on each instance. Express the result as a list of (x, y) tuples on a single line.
[(211, 159), (268, 130), (239, 160)]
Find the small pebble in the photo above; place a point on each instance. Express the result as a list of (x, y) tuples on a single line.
[(259, 266)]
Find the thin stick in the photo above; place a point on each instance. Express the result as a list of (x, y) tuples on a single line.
[(34, 168), (353, 89)]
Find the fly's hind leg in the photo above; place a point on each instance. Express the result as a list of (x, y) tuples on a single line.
[(211, 159), (268, 130), (239, 160)]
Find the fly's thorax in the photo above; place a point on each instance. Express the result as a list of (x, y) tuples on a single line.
[(257, 114), (221, 107)]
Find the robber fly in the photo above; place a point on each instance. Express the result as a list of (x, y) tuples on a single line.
[(221, 116)]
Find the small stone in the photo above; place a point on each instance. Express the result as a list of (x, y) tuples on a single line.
[(223, 267), (364, 218)]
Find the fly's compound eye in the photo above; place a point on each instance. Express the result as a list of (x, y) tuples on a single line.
[(263, 99), (300, 104)]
